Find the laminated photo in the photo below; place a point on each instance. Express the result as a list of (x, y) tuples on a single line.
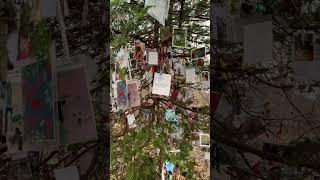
[(152, 57), (198, 53), (179, 38), (204, 140), (161, 84)]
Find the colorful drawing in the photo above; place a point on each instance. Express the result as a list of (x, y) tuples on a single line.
[(133, 94), (179, 38), (75, 111), (122, 92), (171, 115), (139, 50), (38, 101)]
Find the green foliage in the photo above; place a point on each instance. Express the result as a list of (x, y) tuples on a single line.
[(7, 9), (140, 152), (41, 39)]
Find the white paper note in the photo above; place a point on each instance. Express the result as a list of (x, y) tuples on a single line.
[(159, 9), (190, 75), (68, 173), (161, 84), (153, 57), (207, 155), (131, 120)]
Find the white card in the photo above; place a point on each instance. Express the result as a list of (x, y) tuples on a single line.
[(68, 173), (258, 40), (159, 9), (161, 84), (152, 57), (131, 120), (190, 75), (207, 155), (123, 59)]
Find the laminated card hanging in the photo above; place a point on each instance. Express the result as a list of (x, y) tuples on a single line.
[(161, 84), (152, 56)]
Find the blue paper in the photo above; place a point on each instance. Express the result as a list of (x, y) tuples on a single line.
[(171, 115), (169, 166)]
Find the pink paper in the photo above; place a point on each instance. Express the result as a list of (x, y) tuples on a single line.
[(78, 121)]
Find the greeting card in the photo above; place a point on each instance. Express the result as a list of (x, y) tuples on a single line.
[(198, 53)]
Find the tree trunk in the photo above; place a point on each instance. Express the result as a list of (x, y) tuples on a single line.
[(85, 11), (63, 32)]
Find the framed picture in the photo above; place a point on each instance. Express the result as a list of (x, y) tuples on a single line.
[(204, 140), (179, 38), (303, 46), (198, 53)]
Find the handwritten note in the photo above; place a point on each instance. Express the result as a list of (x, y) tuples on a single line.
[(161, 84), (131, 120), (158, 9), (190, 75), (152, 56)]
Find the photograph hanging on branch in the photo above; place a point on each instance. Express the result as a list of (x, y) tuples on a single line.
[(179, 38), (198, 53), (204, 140)]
